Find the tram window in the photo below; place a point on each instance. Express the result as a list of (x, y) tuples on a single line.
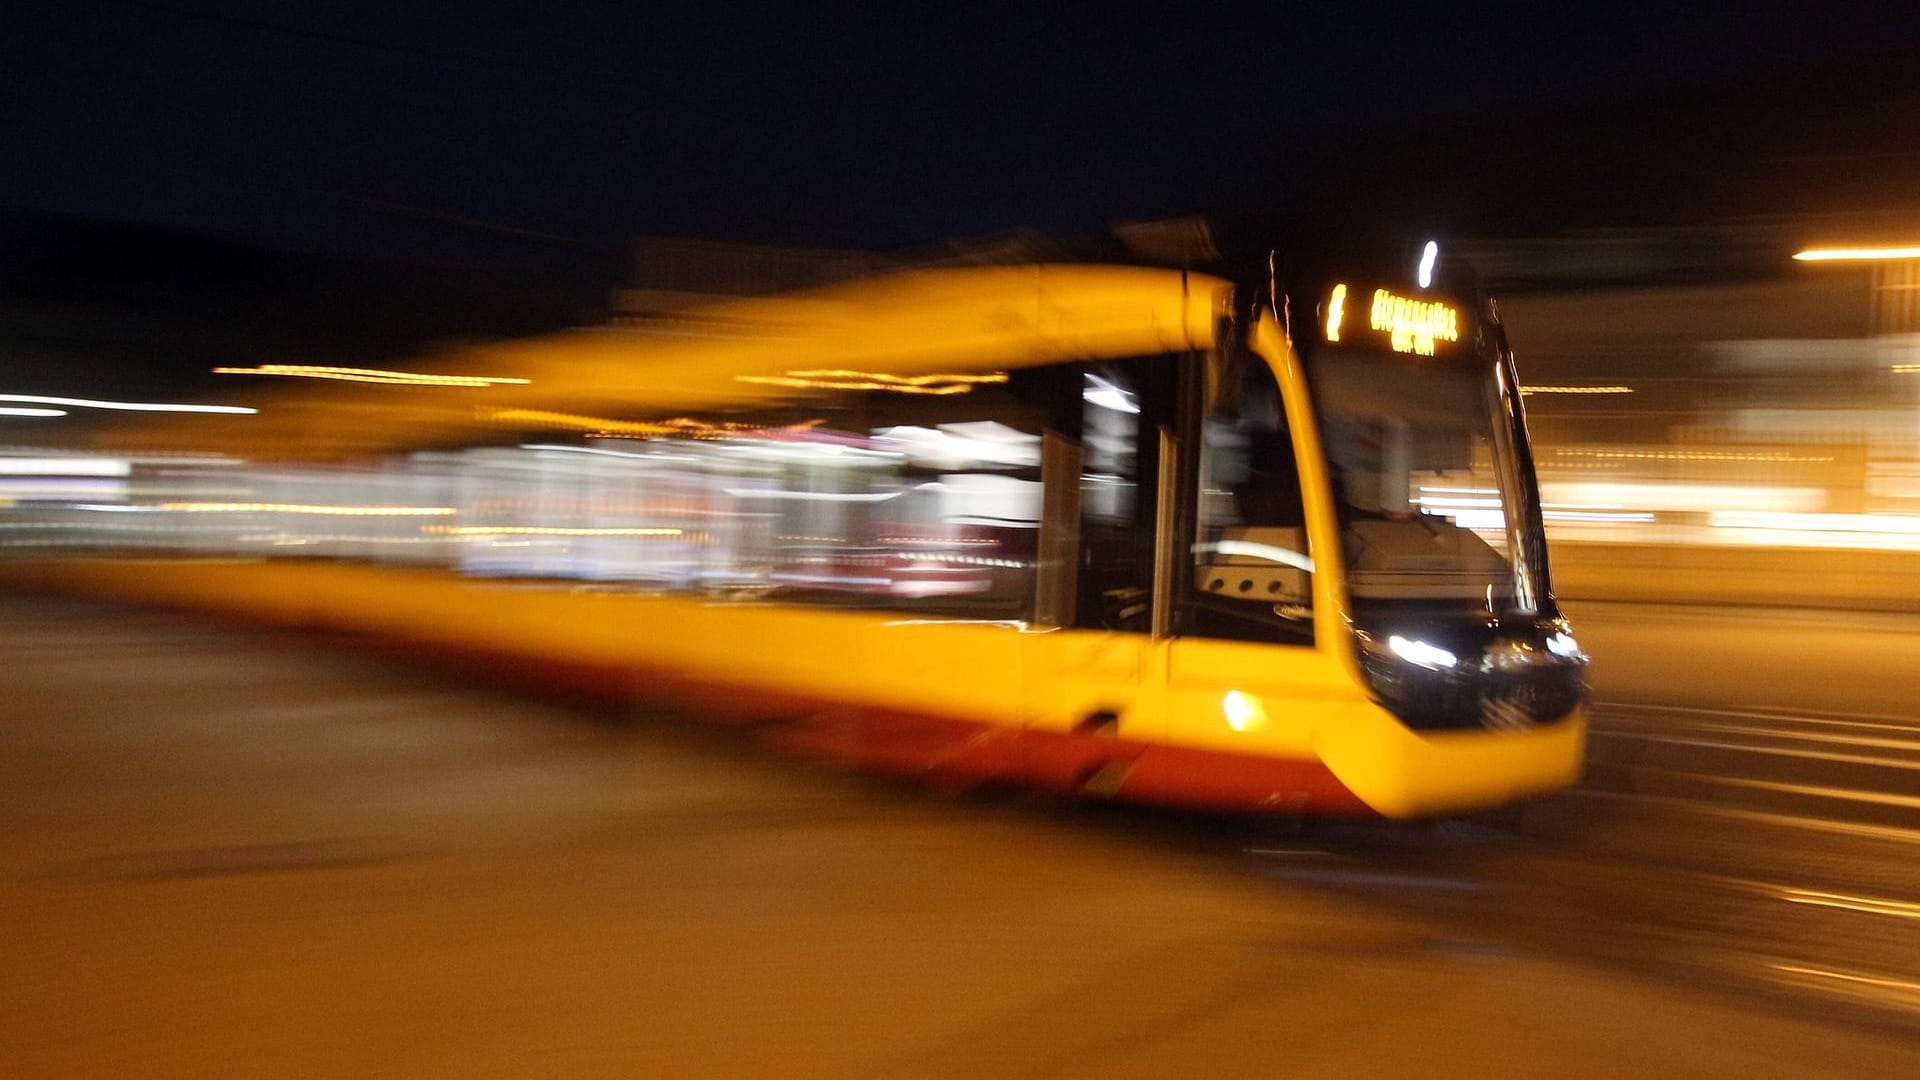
[(1252, 574), (904, 501), (1124, 404)]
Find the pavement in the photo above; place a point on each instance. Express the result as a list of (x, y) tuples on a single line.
[(227, 852)]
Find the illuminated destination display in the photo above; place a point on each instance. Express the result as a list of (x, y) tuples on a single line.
[(1410, 326), (1414, 325)]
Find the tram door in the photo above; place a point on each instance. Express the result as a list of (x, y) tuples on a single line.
[(1243, 669), (1091, 674)]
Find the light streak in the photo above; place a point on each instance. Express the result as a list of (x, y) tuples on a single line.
[(75, 466), (372, 375), (1855, 254), (1692, 455), (32, 412), (126, 406), (813, 496), (841, 379), (542, 530), (1576, 390), (308, 508), (1428, 255), (680, 427), (1251, 550), (1336, 311)]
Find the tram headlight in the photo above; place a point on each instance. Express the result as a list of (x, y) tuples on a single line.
[(1420, 654), (1561, 644)]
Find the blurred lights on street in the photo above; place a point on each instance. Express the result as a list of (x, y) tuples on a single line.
[(126, 406), (308, 508), (64, 466), (1866, 904)]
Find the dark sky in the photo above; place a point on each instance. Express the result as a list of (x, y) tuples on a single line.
[(350, 126)]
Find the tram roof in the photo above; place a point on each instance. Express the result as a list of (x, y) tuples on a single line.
[(710, 359)]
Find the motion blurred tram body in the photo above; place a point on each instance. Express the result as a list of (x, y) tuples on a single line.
[(1123, 531)]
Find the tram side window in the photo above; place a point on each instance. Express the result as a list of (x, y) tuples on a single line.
[(906, 501), (1125, 402), (1252, 572)]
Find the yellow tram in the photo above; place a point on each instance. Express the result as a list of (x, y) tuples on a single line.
[(1127, 531)]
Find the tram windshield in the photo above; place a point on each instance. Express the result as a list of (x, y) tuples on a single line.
[(1429, 478)]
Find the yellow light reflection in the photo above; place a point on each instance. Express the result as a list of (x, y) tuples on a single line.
[(1576, 390), (1855, 254), (542, 530), (308, 508), (680, 427), (1868, 904), (1694, 455), (839, 379), (1906, 369), (1243, 711), (371, 375), (1336, 311)]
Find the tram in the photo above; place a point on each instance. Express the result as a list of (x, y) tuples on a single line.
[(1132, 532)]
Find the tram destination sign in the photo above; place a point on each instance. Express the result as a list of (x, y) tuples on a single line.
[(1383, 318)]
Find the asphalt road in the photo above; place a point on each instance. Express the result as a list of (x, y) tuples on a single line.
[(224, 852)]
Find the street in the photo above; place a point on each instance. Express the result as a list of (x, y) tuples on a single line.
[(230, 852)]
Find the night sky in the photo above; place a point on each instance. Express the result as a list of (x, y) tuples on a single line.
[(346, 127)]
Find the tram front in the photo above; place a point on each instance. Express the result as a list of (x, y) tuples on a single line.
[(1432, 484)]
